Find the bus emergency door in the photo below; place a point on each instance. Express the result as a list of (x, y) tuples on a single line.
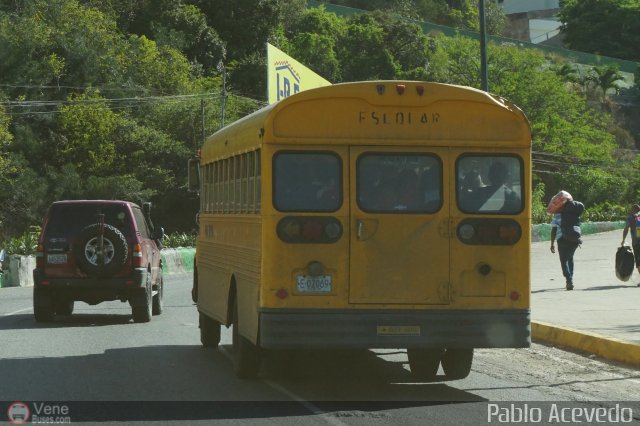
[(399, 251)]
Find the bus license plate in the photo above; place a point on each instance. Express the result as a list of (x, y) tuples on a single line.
[(319, 284), (56, 259)]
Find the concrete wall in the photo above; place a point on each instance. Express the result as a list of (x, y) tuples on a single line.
[(18, 270)]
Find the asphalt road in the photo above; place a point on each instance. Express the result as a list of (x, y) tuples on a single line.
[(104, 367)]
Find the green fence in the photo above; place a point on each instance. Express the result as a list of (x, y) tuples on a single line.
[(542, 232)]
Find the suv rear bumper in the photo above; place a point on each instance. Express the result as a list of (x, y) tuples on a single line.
[(89, 289)]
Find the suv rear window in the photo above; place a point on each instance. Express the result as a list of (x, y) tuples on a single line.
[(68, 220)]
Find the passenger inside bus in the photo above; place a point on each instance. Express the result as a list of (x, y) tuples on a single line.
[(497, 196), (430, 184), (408, 189)]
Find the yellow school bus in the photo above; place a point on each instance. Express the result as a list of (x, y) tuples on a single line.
[(379, 214)]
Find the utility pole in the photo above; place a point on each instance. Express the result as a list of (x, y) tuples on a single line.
[(483, 49), (223, 92), (202, 118)]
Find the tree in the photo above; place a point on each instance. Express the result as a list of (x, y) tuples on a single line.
[(246, 25), (363, 53), (313, 41), (610, 28), (605, 77)]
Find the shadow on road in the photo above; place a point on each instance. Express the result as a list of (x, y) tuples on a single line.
[(196, 383), (26, 321)]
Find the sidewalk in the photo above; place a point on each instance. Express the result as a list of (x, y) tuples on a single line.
[(601, 315)]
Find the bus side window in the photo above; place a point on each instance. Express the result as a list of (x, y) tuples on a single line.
[(225, 185), (209, 187), (251, 166), (215, 195), (258, 182)]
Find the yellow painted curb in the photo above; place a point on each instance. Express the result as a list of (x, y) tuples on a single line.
[(606, 347)]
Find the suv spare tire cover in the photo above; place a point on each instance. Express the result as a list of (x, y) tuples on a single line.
[(115, 246)]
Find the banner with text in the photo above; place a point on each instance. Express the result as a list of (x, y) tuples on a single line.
[(286, 76)]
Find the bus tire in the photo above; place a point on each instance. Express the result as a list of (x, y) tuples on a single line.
[(456, 363), (246, 355), (209, 331), (424, 362)]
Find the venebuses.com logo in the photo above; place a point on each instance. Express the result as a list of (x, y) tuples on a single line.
[(18, 413)]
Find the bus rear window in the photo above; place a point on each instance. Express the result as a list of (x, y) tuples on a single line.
[(307, 181), (399, 183), (489, 184)]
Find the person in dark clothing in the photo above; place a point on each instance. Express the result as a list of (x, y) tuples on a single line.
[(566, 246), (633, 224)]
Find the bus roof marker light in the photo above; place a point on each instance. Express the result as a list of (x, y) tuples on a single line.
[(400, 89), (420, 90), (380, 88)]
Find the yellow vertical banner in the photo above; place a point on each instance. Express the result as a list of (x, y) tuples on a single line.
[(286, 76)]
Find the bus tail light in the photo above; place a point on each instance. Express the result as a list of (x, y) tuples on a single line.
[(137, 256), (282, 293), (309, 229), (492, 232), (40, 256), (514, 296)]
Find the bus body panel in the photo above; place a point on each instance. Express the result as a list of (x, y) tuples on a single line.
[(229, 254)]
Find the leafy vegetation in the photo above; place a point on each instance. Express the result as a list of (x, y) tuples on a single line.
[(610, 28), (109, 98)]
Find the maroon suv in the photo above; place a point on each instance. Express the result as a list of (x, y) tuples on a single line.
[(94, 251)]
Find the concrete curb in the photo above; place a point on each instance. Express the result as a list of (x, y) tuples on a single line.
[(606, 347)]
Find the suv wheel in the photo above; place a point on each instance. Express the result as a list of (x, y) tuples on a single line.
[(87, 251), (156, 309), (43, 310), (142, 313), (64, 307)]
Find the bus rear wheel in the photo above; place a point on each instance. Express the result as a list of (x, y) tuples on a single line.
[(246, 355), (424, 362), (456, 363)]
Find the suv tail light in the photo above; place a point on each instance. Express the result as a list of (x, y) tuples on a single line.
[(40, 256), (137, 256)]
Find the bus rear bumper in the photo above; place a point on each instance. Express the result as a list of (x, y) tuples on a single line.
[(291, 329)]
